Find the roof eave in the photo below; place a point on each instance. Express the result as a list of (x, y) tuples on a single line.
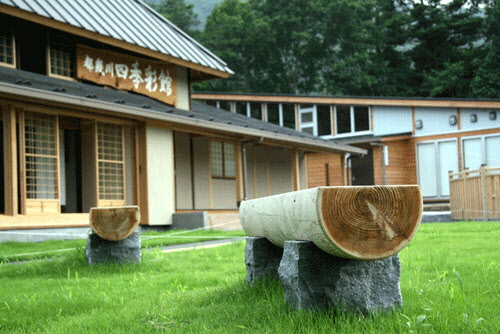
[(307, 144)]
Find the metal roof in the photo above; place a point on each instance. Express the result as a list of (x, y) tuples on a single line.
[(207, 118), (131, 21)]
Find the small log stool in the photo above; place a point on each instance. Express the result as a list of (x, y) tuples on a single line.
[(113, 237)]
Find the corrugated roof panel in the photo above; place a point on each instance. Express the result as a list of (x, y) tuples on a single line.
[(131, 21)]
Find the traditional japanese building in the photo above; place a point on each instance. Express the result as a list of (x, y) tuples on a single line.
[(95, 110), (408, 140)]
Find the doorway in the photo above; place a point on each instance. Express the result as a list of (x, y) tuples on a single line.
[(71, 171), (362, 170)]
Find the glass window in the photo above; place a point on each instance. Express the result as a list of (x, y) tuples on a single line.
[(288, 115), (61, 62), (306, 117), (241, 108), (343, 119), (110, 162), (324, 120), (222, 159), (273, 113), (255, 110), (6, 49), (361, 119), (41, 159), (309, 130), (212, 103), (225, 105)]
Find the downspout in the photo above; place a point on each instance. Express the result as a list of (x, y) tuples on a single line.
[(244, 162), (347, 166)]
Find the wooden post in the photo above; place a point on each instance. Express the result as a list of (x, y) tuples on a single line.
[(484, 192), (11, 176), (365, 223)]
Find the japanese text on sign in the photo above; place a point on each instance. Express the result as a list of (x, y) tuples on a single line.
[(152, 78)]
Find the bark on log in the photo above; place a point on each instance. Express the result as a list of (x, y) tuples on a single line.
[(114, 223), (364, 223)]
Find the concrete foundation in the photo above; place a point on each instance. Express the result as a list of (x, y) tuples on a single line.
[(313, 279), (190, 220), (262, 259), (100, 250)]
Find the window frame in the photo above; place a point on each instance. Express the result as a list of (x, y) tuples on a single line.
[(57, 44), (223, 161), (14, 53), (352, 119)]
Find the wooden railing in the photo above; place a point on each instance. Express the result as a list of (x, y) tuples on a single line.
[(475, 194)]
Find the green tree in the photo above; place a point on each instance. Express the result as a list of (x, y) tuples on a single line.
[(486, 82), (179, 13)]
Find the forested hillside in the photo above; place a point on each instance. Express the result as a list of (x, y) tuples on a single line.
[(357, 47)]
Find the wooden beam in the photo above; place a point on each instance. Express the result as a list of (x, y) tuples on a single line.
[(398, 102), (365, 223)]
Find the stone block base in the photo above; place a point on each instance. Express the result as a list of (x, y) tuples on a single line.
[(313, 279), (100, 250), (262, 259)]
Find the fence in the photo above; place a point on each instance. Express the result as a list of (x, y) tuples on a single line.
[(475, 194)]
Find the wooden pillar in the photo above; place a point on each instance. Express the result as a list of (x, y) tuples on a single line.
[(294, 159), (239, 173), (142, 174), (11, 175)]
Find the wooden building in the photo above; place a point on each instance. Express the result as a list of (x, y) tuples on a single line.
[(408, 140), (95, 111)]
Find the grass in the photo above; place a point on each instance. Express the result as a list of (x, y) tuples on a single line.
[(449, 282), (21, 251)]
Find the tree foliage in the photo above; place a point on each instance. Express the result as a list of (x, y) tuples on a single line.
[(179, 13), (357, 47)]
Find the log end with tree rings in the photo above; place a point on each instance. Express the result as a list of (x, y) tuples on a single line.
[(114, 223), (364, 223)]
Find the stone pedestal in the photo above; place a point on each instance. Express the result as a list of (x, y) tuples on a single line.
[(262, 259), (313, 279), (100, 250)]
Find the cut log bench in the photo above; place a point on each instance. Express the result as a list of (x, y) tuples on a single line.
[(113, 237), (333, 246)]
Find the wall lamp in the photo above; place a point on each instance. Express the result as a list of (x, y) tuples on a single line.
[(493, 115), (473, 118), (419, 124), (453, 120)]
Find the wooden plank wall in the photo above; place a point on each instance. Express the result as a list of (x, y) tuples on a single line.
[(402, 163), (325, 169)]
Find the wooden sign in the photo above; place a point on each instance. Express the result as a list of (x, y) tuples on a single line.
[(155, 79)]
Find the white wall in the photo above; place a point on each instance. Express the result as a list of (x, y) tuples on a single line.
[(435, 120), (483, 121), (182, 88), (391, 120), (160, 164)]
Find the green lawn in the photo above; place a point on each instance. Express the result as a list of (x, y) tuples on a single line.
[(450, 284), (18, 251)]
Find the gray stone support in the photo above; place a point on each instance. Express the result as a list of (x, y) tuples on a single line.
[(313, 279), (262, 259), (100, 250)]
